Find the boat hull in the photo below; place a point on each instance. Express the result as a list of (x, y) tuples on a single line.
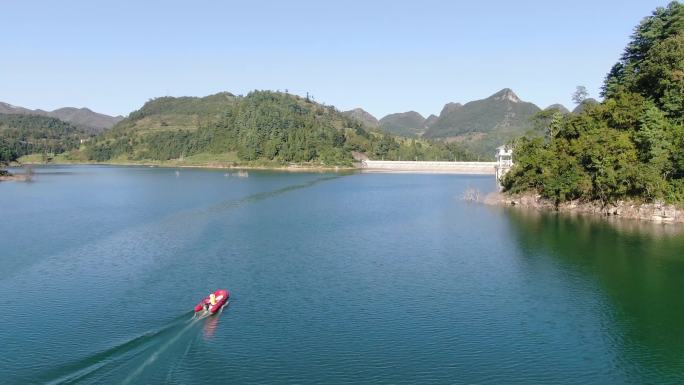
[(222, 297)]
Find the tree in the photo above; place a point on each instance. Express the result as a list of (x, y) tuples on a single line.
[(580, 94), (629, 146), (547, 122), (26, 134), (652, 64)]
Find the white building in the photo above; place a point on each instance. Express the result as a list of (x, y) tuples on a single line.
[(504, 161)]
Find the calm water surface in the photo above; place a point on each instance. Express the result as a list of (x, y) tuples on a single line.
[(363, 278)]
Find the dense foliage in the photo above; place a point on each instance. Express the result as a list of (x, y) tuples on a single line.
[(408, 124), (262, 126), (496, 113), (629, 146), (207, 106), (483, 125), (26, 134)]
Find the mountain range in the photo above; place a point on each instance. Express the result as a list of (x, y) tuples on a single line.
[(480, 125), (85, 118), (260, 128)]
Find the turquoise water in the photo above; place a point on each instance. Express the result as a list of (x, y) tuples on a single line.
[(361, 278)]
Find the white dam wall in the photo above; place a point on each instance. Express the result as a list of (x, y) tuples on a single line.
[(485, 168)]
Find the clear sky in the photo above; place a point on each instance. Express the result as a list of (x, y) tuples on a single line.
[(383, 56)]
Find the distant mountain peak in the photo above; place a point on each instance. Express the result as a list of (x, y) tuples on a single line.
[(7, 108), (362, 116), (430, 120), (558, 107), (7, 105), (412, 114), (506, 94), (585, 103), (410, 123), (450, 107), (482, 125), (84, 117), (359, 110)]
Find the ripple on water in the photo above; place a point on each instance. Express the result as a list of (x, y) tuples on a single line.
[(357, 279)]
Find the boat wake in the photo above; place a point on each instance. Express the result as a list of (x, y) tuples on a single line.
[(126, 362), (154, 355)]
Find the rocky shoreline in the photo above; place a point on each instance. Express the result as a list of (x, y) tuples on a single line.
[(652, 212), (13, 177)]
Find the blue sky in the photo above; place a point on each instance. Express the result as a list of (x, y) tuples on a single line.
[(383, 56)]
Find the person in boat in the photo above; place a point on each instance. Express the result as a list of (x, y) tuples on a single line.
[(212, 302)]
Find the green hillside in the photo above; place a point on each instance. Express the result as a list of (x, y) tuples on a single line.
[(170, 113), (631, 145), (363, 116), (503, 111), (557, 107), (262, 128), (483, 125), (409, 124), (27, 134)]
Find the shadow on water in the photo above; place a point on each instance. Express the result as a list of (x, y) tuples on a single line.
[(637, 266), (198, 217), (268, 194)]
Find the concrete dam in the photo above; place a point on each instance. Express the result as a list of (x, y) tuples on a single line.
[(485, 168)]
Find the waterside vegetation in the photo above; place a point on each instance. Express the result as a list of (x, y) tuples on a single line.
[(22, 135), (628, 147)]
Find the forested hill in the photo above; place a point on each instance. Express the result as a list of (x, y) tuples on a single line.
[(27, 134), (363, 116), (262, 127), (482, 125), (631, 145), (410, 124)]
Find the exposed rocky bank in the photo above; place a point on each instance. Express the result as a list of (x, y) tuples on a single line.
[(654, 212)]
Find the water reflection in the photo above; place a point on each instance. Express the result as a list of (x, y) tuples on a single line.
[(210, 327), (211, 324), (637, 266)]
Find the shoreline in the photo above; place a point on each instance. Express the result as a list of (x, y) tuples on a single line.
[(15, 178), (284, 168), (631, 210), (208, 166)]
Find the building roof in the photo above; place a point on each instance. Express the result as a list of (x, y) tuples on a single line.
[(504, 150)]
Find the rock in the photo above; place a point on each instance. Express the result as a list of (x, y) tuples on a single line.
[(655, 212)]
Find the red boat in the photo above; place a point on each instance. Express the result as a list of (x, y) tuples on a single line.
[(220, 299)]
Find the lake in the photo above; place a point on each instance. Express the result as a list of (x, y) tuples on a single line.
[(335, 278)]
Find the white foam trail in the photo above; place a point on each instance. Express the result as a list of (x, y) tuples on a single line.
[(153, 357), (78, 374)]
